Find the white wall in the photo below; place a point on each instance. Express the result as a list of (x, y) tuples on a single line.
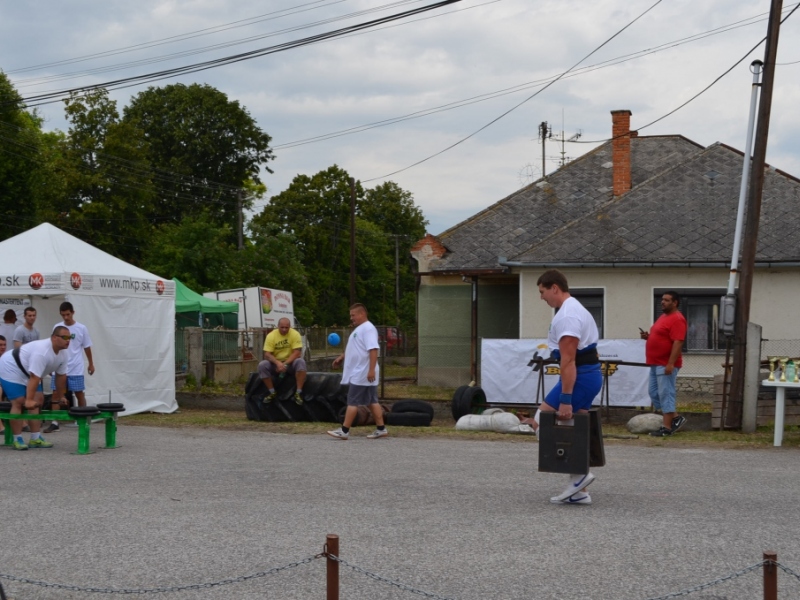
[(628, 302)]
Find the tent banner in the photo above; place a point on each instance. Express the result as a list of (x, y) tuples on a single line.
[(506, 376), (88, 283)]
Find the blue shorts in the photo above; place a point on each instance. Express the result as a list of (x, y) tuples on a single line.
[(14, 391), (75, 383), (588, 384), (662, 389)]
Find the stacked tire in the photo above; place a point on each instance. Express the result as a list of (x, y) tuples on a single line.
[(468, 400), (322, 399), (410, 413)]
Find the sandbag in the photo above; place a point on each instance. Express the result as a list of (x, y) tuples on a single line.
[(493, 420)]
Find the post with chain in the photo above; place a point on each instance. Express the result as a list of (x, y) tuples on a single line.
[(332, 547), (770, 576)]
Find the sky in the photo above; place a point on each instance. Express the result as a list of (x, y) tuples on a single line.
[(470, 82)]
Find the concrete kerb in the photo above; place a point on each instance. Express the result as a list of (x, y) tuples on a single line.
[(462, 519)]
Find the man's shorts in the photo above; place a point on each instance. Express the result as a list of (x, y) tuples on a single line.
[(268, 369), (588, 384), (362, 395), (75, 383), (15, 391)]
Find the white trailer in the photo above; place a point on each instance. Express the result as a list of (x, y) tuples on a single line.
[(259, 307)]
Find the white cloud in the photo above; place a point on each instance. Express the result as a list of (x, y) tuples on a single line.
[(401, 69)]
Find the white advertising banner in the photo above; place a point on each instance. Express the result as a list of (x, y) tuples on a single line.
[(506, 376)]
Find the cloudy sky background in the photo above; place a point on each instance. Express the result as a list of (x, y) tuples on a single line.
[(472, 49)]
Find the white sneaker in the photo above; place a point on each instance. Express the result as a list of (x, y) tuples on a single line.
[(378, 433), (576, 484), (579, 498), (339, 434)]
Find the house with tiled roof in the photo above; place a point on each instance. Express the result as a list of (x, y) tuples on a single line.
[(632, 218)]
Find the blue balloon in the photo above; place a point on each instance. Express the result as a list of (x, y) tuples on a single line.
[(334, 339)]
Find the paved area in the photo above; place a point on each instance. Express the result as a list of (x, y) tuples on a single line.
[(466, 520)]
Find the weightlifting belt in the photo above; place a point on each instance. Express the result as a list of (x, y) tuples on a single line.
[(588, 357)]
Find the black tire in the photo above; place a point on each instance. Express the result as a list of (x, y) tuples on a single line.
[(111, 407), (458, 408), (418, 406), (407, 419), (84, 411), (465, 400)]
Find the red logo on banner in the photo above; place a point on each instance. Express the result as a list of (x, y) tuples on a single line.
[(36, 281), (159, 287), (75, 281)]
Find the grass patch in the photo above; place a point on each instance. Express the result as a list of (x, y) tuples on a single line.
[(444, 428)]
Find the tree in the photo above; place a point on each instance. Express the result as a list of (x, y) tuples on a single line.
[(205, 146), (197, 251), (316, 211), (20, 161), (108, 183)]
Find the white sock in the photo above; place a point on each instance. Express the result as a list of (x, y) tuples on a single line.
[(271, 390), (55, 423), (36, 436)]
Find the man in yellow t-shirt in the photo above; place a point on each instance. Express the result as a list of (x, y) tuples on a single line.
[(283, 350)]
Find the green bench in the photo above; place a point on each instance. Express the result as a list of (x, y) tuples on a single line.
[(84, 420)]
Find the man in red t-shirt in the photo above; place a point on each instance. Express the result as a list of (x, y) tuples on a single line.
[(663, 354)]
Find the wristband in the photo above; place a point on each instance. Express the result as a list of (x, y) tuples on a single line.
[(565, 399)]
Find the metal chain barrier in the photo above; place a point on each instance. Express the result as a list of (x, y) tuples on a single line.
[(376, 577), (788, 571), (704, 586), (177, 588)]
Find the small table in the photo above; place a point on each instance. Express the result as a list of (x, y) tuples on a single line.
[(780, 405)]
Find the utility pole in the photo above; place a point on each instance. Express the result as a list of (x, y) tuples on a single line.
[(240, 218), (352, 241), (734, 416), (397, 279), (544, 133)]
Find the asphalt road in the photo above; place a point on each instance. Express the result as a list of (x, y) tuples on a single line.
[(466, 520)]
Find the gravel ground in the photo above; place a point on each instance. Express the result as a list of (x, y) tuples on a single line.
[(466, 520)]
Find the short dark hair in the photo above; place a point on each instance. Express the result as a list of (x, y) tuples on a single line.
[(28, 309), (359, 306), (553, 277), (66, 306), (9, 315), (58, 329), (3, 338), (675, 296)]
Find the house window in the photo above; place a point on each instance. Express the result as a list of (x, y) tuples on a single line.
[(592, 300), (701, 309)]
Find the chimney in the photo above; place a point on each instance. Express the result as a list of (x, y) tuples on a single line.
[(621, 150)]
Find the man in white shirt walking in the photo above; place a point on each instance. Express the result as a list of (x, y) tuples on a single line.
[(361, 373)]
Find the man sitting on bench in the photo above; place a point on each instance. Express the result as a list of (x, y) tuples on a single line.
[(21, 372)]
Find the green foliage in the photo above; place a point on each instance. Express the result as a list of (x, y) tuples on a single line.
[(20, 161), (198, 134), (105, 192), (316, 211), (197, 251)]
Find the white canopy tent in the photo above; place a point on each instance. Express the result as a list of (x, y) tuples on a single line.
[(129, 312)]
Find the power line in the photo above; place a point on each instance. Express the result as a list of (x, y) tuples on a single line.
[(513, 108), (521, 87), (204, 49), (53, 96), (172, 39)]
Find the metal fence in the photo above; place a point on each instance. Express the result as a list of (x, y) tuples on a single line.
[(218, 345), (396, 342)]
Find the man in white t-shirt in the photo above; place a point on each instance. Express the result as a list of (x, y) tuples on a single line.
[(21, 372), (361, 373), (81, 343), (572, 340)]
